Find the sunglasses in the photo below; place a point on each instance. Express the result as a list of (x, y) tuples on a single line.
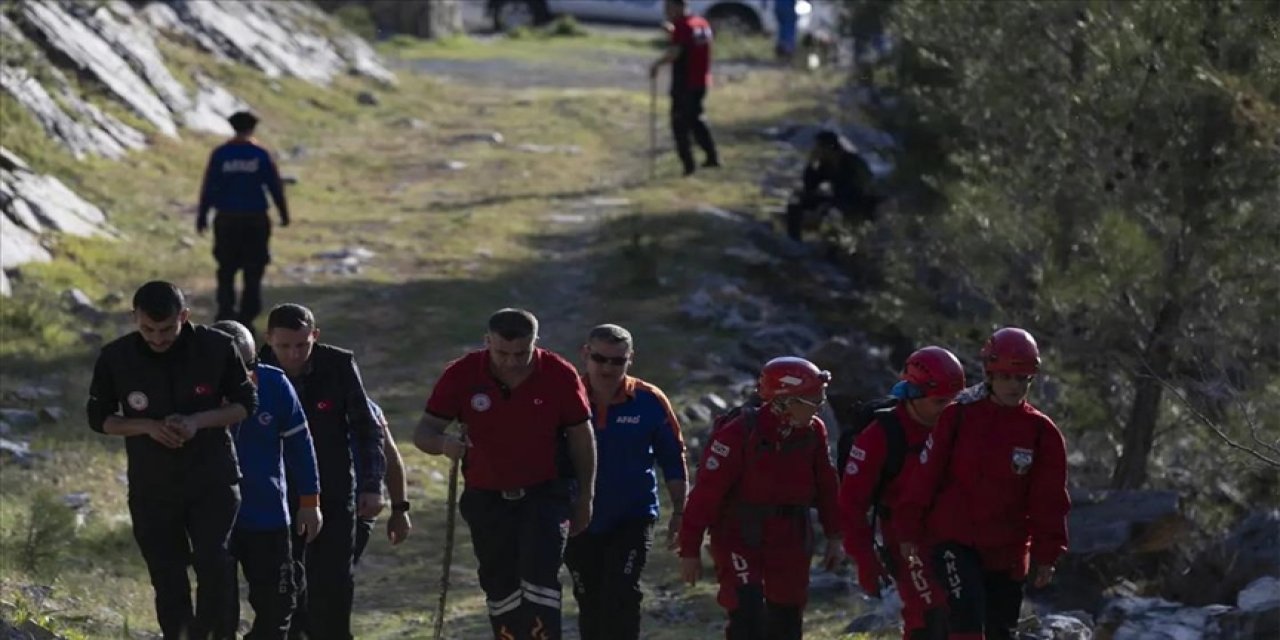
[(617, 362), (810, 403)]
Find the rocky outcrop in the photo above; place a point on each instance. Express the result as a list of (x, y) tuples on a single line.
[(31, 205), (119, 47)]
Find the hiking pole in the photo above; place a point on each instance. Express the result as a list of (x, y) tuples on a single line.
[(450, 523), (653, 125)]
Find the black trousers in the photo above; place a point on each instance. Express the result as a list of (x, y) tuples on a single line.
[(364, 531), (176, 530), (519, 545), (267, 561), (686, 119), (323, 578), (606, 579), (980, 601), (758, 619), (241, 243)]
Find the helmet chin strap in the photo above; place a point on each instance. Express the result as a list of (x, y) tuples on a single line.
[(785, 418)]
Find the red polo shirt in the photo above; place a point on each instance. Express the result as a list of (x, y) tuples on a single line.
[(514, 432)]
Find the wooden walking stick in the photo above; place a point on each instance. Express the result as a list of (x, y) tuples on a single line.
[(450, 523)]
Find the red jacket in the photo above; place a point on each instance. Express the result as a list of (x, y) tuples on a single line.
[(862, 474), (733, 471), (994, 478)]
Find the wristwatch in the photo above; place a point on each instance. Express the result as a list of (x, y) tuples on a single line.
[(400, 507)]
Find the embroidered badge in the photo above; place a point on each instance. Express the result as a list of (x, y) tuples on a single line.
[(713, 463), (720, 448), (481, 402), (138, 401), (857, 453), (1022, 459)]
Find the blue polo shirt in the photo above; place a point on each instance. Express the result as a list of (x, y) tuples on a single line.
[(266, 442), (635, 430)]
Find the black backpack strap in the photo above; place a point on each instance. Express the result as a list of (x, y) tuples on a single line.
[(895, 453)]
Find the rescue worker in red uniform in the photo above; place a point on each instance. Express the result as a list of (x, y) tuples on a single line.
[(991, 493), (760, 473), (884, 455)]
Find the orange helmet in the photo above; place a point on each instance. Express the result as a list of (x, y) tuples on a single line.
[(933, 372), (1011, 350), (791, 376)]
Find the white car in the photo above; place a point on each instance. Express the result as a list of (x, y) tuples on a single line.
[(745, 16)]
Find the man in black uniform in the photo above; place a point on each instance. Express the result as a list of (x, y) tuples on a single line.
[(332, 394), (238, 172), (171, 389), (832, 162)]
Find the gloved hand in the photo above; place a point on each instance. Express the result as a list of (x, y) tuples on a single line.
[(284, 219)]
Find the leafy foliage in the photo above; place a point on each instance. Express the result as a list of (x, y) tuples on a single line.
[(1104, 174)]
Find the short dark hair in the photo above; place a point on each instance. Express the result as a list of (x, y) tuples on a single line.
[(513, 324), (291, 316), (611, 334), (240, 337), (243, 122), (160, 300), (677, 3), (827, 138)]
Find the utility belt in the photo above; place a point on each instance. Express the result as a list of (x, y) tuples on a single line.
[(555, 485), (751, 517)]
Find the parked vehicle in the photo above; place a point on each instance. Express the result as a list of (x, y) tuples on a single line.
[(741, 16)]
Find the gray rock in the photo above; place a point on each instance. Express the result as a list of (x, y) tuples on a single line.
[(79, 138), (79, 303), (211, 106), (367, 98), (1260, 595), (78, 501), (266, 35), (491, 137), (33, 392), (791, 339), (130, 38), (1059, 627), (415, 124), (1109, 521), (20, 418), (545, 149), (455, 165), (1222, 570), (697, 413), (1145, 618), (17, 451), (52, 415), (715, 403), (91, 338), (5, 429), (94, 56), (41, 203)]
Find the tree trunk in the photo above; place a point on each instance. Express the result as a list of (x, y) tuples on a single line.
[(1139, 432)]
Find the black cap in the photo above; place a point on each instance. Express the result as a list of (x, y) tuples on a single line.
[(243, 121)]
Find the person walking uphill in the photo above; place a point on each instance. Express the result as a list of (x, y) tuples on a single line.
[(514, 400), (761, 471), (238, 172), (332, 394), (635, 427), (883, 456), (690, 58), (266, 443), (170, 389), (991, 492)]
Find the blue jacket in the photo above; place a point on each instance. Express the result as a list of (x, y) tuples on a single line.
[(234, 180), (276, 436), (635, 430)]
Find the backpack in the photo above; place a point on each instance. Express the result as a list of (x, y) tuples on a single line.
[(863, 414)]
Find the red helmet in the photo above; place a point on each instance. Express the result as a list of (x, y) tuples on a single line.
[(791, 376), (1011, 350), (935, 371)]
